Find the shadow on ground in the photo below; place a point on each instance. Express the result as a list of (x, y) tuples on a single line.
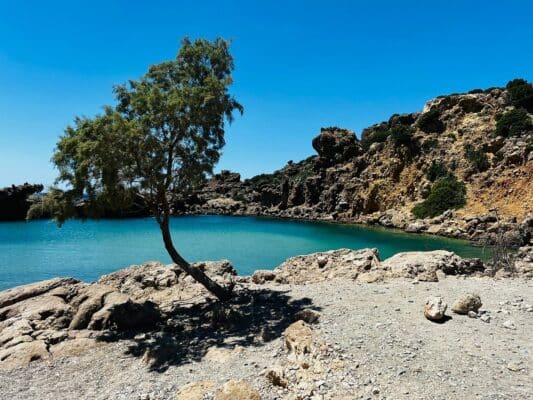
[(252, 318)]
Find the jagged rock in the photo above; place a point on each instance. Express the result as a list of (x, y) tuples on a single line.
[(435, 308), (299, 338), (467, 303), (237, 390), (336, 145), (88, 302), (60, 314)]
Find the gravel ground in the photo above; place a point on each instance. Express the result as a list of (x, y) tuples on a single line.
[(388, 349)]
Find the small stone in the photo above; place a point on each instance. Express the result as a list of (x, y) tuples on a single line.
[(485, 318), (509, 325), (472, 314), (515, 367), (435, 308)]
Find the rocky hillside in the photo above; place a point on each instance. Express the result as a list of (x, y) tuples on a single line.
[(482, 138)]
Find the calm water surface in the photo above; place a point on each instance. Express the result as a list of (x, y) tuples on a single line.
[(37, 250)]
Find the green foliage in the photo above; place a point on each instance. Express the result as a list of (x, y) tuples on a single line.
[(446, 193), (436, 170), (429, 122), (376, 137), (159, 142), (477, 158), (429, 144), (516, 122), (521, 93), (475, 91), (401, 135)]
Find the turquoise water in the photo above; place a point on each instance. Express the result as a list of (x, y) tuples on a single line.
[(37, 250)]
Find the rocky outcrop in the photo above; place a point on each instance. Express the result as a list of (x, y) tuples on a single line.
[(336, 145), (364, 266), (64, 316), (378, 180), (15, 201)]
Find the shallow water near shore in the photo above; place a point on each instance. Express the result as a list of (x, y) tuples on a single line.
[(37, 250)]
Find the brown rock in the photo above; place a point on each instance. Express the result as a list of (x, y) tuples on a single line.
[(23, 353), (262, 275), (195, 390), (237, 390), (467, 302), (299, 338)]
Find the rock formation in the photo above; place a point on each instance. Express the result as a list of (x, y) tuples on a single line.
[(379, 179)]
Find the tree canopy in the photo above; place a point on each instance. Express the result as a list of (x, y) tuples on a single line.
[(159, 141)]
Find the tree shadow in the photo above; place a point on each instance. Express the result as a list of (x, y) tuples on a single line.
[(251, 318)]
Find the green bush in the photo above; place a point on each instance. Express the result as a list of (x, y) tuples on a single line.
[(447, 193), (477, 158), (429, 144), (436, 170), (429, 122), (521, 93), (513, 123), (376, 137), (401, 135), (475, 91)]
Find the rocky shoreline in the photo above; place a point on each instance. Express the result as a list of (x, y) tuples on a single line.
[(74, 339)]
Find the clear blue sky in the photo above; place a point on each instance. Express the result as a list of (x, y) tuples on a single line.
[(300, 65)]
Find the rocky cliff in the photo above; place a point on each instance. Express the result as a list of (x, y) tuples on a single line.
[(483, 138), (15, 201)]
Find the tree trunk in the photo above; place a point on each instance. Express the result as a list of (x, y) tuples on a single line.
[(220, 292)]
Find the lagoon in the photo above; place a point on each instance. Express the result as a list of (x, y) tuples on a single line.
[(37, 250)]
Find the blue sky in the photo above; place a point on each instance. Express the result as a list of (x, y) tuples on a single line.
[(300, 65)]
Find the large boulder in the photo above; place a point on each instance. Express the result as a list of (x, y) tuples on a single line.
[(342, 263), (336, 145), (424, 265)]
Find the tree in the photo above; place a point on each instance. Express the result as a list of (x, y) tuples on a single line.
[(159, 142), (446, 193)]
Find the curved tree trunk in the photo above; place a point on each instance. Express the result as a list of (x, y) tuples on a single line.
[(220, 292)]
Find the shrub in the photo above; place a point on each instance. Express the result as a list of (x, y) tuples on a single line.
[(429, 122), (521, 93), (513, 123), (447, 193), (436, 170), (475, 91), (477, 158), (429, 144), (377, 137), (401, 135)]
